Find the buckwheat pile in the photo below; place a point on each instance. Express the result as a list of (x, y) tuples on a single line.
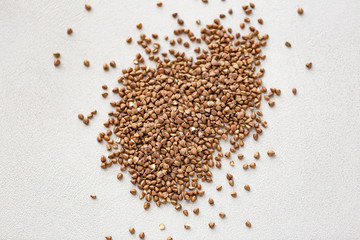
[(166, 127)]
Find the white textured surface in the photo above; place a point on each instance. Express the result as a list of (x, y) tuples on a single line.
[(50, 160)]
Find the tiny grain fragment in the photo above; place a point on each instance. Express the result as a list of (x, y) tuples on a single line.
[(86, 63), (211, 225), (112, 64), (86, 121), (161, 227), (56, 62), (271, 153), (87, 7)]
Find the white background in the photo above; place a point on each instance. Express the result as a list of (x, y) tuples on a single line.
[(50, 160)]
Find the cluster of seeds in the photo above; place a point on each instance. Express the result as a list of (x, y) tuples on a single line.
[(170, 119), (57, 60), (86, 120)]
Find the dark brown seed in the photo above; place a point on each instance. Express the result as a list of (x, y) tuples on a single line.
[(186, 212), (56, 54), (309, 65), (81, 116), (133, 191), (132, 230), (87, 7), (260, 21), (86, 121), (196, 211), (300, 11), (56, 62), (211, 201), (180, 21), (86, 63), (69, 31), (178, 207), (139, 25), (105, 95), (113, 64), (159, 4), (119, 176), (146, 205), (247, 187), (106, 67), (222, 215), (230, 11), (211, 225), (142, 235), (174, 15), (294, 91), (287, 44), (248, 224), (271, 153), (252, 5)]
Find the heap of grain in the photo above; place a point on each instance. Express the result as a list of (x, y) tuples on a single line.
[(169, 120)]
